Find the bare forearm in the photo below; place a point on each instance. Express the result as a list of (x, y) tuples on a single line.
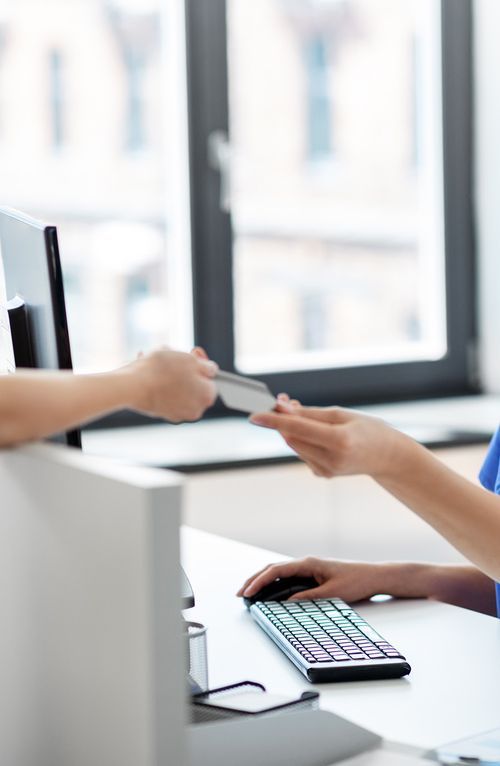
[(463, 586), (467, 515), (34, 405), (460, 585), (165, 383)]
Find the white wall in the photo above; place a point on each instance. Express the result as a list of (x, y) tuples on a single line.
[(287, 509), (487, 137)]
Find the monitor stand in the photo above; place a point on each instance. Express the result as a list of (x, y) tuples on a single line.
[(20, 332)]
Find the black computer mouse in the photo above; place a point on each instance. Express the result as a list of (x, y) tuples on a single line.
[(280, 590)]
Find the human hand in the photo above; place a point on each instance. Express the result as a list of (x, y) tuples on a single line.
[(287, 405), (173, 385), (335, 441), (349, 580)]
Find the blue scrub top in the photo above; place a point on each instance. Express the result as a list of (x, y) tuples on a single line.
[(489, 476)]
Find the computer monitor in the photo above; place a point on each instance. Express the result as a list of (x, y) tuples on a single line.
[(34, 291)]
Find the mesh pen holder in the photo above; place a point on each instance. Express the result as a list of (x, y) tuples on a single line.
[(195, 635)]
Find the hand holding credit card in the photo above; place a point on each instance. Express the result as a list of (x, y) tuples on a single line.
[(245, 394)]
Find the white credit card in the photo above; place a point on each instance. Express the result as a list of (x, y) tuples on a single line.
[(245, 394)]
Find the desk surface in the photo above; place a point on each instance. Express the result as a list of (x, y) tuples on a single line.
[(453, 690)]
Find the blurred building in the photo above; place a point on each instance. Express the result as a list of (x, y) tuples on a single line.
[(327, 147), (81, 144)]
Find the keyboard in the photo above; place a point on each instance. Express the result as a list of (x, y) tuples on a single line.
[(328, 641)]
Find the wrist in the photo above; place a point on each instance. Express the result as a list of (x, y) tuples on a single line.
[(399, 461), (410, 580), (127, 387), (150, 384)]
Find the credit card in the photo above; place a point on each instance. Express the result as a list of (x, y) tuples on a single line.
[(245, 394)]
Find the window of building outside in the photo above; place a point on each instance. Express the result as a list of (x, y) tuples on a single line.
[(105, 81), (319, 99), (56, 108), (135, 128)]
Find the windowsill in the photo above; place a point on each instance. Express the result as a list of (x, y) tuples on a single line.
[(233, 442)]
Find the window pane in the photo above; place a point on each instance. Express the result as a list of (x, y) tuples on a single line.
[(336, 185), (93, 139)]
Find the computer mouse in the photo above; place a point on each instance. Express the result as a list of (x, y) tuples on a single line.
[(282, 589)]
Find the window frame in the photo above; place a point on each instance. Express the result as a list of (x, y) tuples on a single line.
[(211, 232)]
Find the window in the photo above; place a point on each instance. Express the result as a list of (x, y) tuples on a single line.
[(417, 99), (136, 29), (105, 80), (319, 108), (354, 283), (134, 68), (56, 98), (284, 181)]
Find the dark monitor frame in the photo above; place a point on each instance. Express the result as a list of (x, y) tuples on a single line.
[(19, 311)]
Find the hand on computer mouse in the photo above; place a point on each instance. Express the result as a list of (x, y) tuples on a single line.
[(282, 589), (349, 580)]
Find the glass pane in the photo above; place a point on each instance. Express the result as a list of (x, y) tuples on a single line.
[(93, 139), (336, 185)]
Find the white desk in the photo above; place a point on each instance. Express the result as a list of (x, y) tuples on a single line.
[(454, 687)]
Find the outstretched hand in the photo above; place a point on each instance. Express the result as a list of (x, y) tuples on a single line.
[(335, 441), (174, 385)]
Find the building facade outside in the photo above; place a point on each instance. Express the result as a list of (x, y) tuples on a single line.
[(327, 122)]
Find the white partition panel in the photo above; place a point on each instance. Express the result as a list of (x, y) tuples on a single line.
[(91, 663)]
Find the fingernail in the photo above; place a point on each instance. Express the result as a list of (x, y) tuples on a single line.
[(284, 406)]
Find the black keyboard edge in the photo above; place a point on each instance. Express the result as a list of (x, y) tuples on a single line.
[(358, 673)]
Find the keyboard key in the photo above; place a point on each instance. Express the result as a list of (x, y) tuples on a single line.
[(370, 633)]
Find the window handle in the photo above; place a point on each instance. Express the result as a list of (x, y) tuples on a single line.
[(219, 159)]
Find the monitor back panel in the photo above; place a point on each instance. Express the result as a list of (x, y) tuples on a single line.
[(92, 668)]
